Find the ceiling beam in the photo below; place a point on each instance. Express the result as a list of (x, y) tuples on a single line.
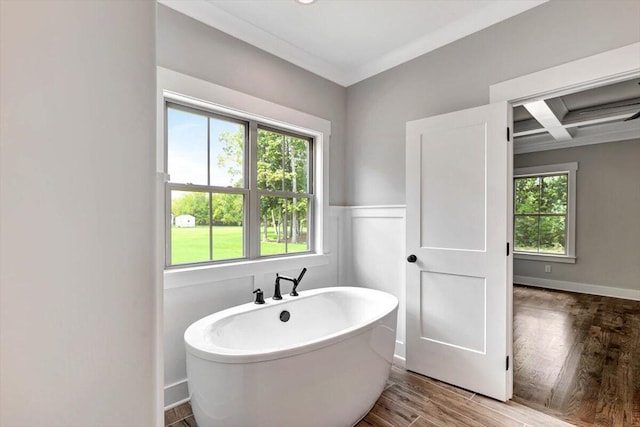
[(548, 118), (608, 132), (613, 112), (603, 113)]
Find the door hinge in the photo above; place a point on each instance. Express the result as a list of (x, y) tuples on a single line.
[(508, 252), (508, 134), (507, 363)]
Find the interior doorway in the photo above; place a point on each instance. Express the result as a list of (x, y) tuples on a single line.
[(574, 350)]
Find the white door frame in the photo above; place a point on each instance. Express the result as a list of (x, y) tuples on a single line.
[(602, 69), (593, 71)]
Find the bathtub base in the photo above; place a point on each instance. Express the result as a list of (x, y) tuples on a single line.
[(332, 386)]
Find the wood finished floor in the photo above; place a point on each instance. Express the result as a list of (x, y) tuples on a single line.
[(577, 358)]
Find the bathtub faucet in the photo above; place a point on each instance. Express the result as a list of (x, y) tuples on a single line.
[(295, 280)]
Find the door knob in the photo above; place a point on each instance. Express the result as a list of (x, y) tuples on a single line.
[(412, 258)]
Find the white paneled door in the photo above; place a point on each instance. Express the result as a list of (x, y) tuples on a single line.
[(459, 181)]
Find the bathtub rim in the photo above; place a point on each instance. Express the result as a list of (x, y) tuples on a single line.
[(223, 355)]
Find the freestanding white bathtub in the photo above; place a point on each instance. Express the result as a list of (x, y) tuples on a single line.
[(326, 366)]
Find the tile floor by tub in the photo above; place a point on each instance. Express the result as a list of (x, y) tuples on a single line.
[(180, 416)]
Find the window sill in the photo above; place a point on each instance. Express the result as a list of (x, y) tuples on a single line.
[(564, 259), (189, 276)]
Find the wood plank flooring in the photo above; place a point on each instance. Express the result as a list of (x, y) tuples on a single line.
[(414, 400), (180, 416), (577, 359), (577, 356)]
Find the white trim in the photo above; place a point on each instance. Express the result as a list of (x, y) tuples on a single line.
[(399, 361), (209, 14), (597, 70), (178, 403), (368, 207), (180, 277), (583, 288), (456, 30), (545, 257), (177, 393), (570, 168), (378, 211), (546, 169), (213, 16), (181, 87)]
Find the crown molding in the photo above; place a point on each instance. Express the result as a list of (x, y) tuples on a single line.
[(211, 15)]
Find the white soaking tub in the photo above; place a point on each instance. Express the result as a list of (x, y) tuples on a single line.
[(325, 366)]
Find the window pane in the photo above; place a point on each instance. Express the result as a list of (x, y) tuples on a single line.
[(189, 227), (186, 147), (527, 195), (227, 153), (272, 216), (271, 171), (228, 217), (296, 165), (553, 234), (297, 225), (284, 225), (526, 233), (553, 197)]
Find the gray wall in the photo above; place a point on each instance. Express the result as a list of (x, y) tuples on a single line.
[(458, 76), (77, 291), (190, 47), (607, 205)]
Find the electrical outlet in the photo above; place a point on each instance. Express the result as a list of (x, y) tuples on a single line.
[(547, 268)]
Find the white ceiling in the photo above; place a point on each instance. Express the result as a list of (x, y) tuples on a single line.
[(347, 41)]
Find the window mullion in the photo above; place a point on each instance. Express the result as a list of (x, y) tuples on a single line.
[(210, 226), (539, 208), (252, 204), (285, 194), (209, 185), (168, 224)]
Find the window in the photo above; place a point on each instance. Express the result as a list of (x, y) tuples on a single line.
[(238, 189), (544, 212)]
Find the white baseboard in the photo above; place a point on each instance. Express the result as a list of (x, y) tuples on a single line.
[(399, 361), (176, 394), (584, 288)]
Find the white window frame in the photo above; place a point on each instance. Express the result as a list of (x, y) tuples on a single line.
[(570, 169), (183, 89)]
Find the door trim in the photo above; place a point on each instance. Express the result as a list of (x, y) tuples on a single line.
[(593, 71), (601, 69)]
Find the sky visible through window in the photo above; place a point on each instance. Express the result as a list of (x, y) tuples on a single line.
[(187, 148)]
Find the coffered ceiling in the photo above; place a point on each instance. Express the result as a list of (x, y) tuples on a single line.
[(604, 114)]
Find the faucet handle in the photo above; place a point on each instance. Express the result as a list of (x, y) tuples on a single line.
[(296, 282), (259, 296), (304, 270)]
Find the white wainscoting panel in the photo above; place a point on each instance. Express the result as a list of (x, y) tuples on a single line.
[(373, 248)]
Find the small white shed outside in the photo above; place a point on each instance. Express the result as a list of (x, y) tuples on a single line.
[(185, 221)]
